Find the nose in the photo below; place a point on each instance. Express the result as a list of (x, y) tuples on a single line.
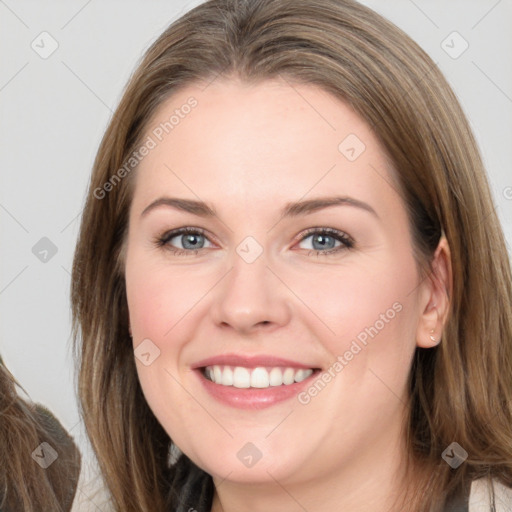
[(251, 297)]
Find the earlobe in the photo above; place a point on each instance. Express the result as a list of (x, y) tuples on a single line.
[(429, 338)]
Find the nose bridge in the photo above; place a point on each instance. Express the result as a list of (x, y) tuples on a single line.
[(250, 295)]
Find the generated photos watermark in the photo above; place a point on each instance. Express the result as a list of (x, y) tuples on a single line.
[(356, 346), (151, 142)]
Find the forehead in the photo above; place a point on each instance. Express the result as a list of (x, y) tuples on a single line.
[(273, 140)]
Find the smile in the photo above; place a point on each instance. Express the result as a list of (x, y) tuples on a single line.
[(259, 377)]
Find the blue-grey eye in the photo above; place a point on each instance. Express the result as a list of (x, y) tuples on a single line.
[(322, 241), (187, 239), (191, 241)]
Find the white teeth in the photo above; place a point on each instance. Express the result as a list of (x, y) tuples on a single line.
[(227, 377), (241, 378), (301, 375), (276, 377), (217, 373), (288, 376), (260, 377)]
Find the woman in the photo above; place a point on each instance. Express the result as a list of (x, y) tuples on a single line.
[(40, 461), (226, 366)]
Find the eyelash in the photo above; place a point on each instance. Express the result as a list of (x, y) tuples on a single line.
[(346, 241)]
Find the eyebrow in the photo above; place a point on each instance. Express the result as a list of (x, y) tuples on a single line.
[(293, 209)]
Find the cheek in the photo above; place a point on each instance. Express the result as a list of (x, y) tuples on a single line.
[(367, 313), (158, 299), (368, 318)]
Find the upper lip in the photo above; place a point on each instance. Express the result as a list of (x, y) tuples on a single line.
[(249, 361)]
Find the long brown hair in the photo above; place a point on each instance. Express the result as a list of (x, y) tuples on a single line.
[(461, 390), (24, 426)]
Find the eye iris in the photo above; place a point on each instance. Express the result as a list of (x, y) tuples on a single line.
[(187, 238), (322, 239)]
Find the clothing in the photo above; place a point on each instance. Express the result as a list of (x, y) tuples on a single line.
[(459, 502), (481, 496), (195, 489), (91, 495)]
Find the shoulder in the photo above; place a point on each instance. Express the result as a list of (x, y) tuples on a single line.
[(484, 494)]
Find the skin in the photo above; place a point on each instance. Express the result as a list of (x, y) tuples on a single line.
[(247, 150)]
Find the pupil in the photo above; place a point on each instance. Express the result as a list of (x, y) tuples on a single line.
[(188, 238), (322, 239)]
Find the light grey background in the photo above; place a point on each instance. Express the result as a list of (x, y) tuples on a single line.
[(54, 111)]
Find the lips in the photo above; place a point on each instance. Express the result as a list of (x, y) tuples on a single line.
[(252, 382), (250, 361)]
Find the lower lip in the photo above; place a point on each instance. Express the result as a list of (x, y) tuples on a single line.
[(254, 398)]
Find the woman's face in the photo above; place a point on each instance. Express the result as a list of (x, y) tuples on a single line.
[(270, 277)]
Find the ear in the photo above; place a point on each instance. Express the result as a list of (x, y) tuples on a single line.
[(435, 297)]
